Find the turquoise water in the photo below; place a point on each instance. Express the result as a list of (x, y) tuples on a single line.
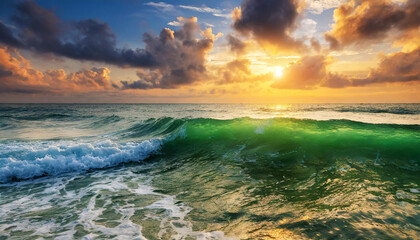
[(208, 171)]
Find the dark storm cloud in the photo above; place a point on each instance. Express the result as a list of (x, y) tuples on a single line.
[(180, 55), (94, 40), (36, 20), (6, 36), (40, 30), (365, 20), (268, 21)]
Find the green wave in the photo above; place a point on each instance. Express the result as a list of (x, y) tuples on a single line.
[(311, 138), (266, 171)]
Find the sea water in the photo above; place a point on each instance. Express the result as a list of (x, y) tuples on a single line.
[(209, 171)]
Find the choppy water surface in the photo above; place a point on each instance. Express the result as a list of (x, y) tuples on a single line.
[(193, 171)]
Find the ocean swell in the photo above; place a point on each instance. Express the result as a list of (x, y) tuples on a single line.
[(307, 139)]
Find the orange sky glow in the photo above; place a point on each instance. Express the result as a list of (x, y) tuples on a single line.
[(282, 52)]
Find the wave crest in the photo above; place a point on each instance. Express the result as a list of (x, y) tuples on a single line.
[(29, 160)]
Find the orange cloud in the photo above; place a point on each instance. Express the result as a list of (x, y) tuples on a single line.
[(18, 76), (409, 40), (307, 73), (360, 21), (313, 71), (397, 67)]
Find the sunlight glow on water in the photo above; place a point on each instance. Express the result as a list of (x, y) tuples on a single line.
[(206, 171)]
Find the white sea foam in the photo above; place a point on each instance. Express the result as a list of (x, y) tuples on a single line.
[(28, 160), (22, 212)]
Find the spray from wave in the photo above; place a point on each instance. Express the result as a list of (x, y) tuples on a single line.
[(28, 160)]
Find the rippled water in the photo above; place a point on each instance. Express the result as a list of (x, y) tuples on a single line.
[(208, 171)]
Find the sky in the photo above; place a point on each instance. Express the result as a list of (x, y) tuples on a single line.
[(224, 51)]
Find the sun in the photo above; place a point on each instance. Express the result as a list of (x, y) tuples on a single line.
[(278, 72)]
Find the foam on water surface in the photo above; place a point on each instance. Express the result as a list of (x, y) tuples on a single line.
[(209, 171), (110, 204)]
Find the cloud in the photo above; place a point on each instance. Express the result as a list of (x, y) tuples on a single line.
[(40, 30), (235, 71), (319, 6), (95, 78), (236, 45), (360, 21), (394, 68), (409, 40), (18, 76), (166, 7), (270, 22), (223, 15), (6, 36), (307, 29), (313, 71), (398, 67), (315, 45), (307, 73), (181, 57), (238, 71), (203, 9), (175, 23), (177, 57), (208, 33)]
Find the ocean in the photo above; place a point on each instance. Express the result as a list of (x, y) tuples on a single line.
[(209, 171)]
